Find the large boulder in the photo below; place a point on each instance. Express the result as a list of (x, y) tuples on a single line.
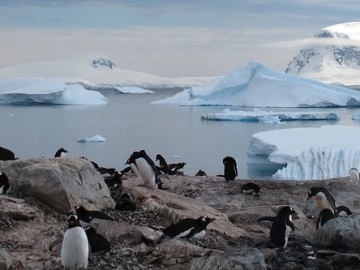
[(61, 183), (340, 232)]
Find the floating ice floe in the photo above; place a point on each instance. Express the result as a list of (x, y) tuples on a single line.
[(309, 153), (265, 116), (96, 138)]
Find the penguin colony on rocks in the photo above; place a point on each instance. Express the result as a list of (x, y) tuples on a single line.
[(80, 239)]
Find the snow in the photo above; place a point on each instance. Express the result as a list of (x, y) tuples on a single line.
[(132, 90), (96, 138), (258, 115), (258, 86), (309, 153), (37, 90), (349, 30)]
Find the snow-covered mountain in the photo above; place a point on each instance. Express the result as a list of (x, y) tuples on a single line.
[(96, 73), (334, 59)]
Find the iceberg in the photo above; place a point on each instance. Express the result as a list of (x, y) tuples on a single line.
[(257, 86), (309, 153), (132, 90), (30, 91), (96, 138), (257, 115)]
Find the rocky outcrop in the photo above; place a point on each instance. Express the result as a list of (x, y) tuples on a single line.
[(61, 183)]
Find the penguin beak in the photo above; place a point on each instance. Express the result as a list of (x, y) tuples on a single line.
[(211, 219)]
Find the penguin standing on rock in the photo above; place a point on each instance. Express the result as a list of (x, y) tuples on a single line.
[(144, 167), (188, 228), (75, 246), (85, 216), (4, 183), (282, 226), (230, 168), (61, 153)]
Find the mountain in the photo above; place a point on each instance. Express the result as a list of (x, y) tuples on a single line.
[(335, 57), (97, 73)]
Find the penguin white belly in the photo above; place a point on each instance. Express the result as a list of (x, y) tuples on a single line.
[(287, 233), (323, 202), (147, 173), (200, 234), (135, 170), (184, 233), (75, 249)]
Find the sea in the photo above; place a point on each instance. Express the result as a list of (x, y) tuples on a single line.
[(132, 123)]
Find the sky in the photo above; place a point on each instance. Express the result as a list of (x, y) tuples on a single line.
[(166, 37)]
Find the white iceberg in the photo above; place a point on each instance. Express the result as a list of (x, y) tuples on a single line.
[(257, 115), (96, 138), (38, 90), (132, 90), (309, 153), (257, 86)]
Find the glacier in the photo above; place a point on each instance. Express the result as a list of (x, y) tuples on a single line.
[(309, 153), (38, 90), (132, 90), (258, 115), (258, 86)]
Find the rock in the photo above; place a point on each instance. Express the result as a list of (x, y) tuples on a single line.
[(176, 207), (340, 232), (16, 208), (244, 258), (5, 259), (61, 183), (118, 232)]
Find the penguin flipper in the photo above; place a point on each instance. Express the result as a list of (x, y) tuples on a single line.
[(291, 225), (343, 208), (267, 218)]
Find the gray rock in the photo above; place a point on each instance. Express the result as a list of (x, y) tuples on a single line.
[(61, 183), (340, 232), (244, 258), (16, 208), (6, 261)]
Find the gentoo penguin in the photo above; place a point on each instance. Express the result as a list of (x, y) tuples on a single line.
[(114, 179), (6, 154), (201, 173), (251, 188), (323, 198), (188, 228), (4, 183), (177, 166), (75, 246), (144, 167), (85, 216), (230, 168), (354, 174), (61, 152), (164, 167), (324, 216), (282, 226), (97, 241), (124, 203)]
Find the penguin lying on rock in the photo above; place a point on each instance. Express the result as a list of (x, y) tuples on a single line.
[(124, 203), (251, 188), (97, 241), (188, 228), (85, 216)]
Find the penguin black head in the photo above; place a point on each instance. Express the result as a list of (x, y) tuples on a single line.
[(204, 221), (323, 197), (90, 231), (73, 221), (315, 190)]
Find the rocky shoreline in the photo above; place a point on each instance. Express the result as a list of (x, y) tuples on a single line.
[(235, 240)]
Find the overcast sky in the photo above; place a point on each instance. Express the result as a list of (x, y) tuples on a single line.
[(166, 37)]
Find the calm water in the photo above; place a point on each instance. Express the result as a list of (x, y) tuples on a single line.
[(131, 123)]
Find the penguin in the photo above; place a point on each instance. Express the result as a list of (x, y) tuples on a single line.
[(124, 203), (188, 228), (144, 167), (113, 180), (97, 241), (354, 174), (230, 168), (4, 183), (251, 188), (282, 226), (6, 154), (61, 153), (324, 216), (177, 166), (75, 246), (323, 198), (85, 216), (164, 167), (201, 173)]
